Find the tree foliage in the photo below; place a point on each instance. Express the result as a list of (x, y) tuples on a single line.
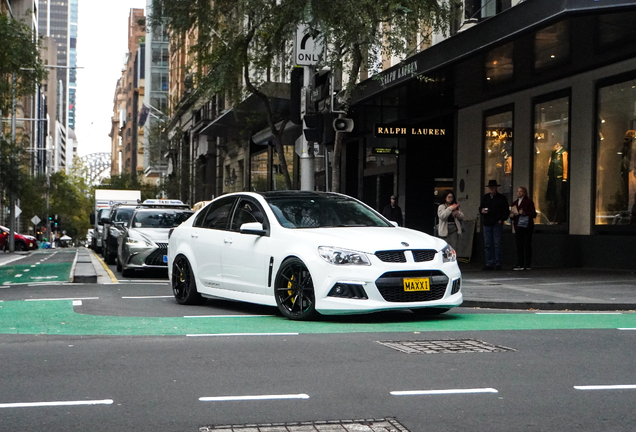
[(19, 59), (244, 44)]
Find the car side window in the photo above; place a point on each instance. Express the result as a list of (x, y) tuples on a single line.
[(247, 211), (218, 214)]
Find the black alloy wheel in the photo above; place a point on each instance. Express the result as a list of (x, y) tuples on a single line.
[(430, 311), (19, 246), (184, 287), (294, 291)]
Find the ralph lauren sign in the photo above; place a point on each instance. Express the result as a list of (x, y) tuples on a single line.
[(393, 131)]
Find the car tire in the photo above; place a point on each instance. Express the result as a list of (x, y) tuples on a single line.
[(430, 311), (127, 272), (294, 291), (184, 285), (19, 246), (118, 265)]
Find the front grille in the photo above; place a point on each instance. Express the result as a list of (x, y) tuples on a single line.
[(156, 257), (391, 286), (395, 256), (162, 245), (422, 255)]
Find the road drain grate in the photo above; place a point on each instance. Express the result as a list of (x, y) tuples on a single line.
[(366, 425), (444, 346)]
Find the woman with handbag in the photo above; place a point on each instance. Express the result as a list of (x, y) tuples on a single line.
[(522, 214), (450, 217)]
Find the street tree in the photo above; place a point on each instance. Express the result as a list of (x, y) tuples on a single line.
[(243, 45)]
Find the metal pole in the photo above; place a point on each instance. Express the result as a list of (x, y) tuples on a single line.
[(307, 160), (11, 193)]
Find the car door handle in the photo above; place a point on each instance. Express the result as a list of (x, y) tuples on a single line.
[(227, 241), (194, 235)]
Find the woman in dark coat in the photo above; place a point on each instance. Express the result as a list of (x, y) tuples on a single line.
[(522, 213)]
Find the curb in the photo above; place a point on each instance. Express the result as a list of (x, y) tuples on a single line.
[(84, 272), (495, 304)]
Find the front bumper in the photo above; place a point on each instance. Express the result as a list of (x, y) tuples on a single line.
[(147, 257)]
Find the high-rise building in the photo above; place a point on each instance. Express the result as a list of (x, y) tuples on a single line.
[(58, 21)]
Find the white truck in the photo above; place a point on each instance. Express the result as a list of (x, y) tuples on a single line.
[(104, 200)]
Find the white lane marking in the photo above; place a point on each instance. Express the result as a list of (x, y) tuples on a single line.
[(60, 403), (578, 313), (224, 316), (72, 298), (27, 270), (33, 265), (260, 397), (148, 297), (18, 275), (439, 392), (144, 282), (242, 334), (77, 302), (621, 282), (627, 328), (606, 387)]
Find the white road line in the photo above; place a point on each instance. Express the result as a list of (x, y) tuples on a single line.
[(77, 302), (73, 298), (439, 392), (224, 316), (606, 387), (627, 328), (18, 275), (242, 334), (145, 282), (148, 297), (578, 313), (261, 397), (60, 403)]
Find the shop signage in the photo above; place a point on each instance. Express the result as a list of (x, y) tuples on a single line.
[(385, 150), (499, 133), (393, 131), (405, 70)]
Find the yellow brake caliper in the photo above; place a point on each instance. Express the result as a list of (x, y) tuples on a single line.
[(290, 292)]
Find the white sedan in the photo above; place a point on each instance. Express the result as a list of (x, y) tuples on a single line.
[(309, 253)]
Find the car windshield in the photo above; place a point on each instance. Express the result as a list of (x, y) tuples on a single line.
[(323, 212), (160, 218), (123, 214)]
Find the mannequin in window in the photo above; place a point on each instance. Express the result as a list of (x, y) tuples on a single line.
[(556, 193), (627, 166)]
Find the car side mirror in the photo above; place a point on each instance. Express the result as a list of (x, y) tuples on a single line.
[(104, 221), (254, 228), (395, 224), (92, 218)]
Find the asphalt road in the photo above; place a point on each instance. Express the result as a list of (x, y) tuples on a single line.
[(127, 357)]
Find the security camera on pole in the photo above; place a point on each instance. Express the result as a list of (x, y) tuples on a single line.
[(308, 52)]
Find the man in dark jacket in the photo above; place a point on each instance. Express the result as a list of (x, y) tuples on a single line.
[(494, 210), (393, 212)]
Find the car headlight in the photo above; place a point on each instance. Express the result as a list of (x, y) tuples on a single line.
[(134, 242), (339, 256), (449, 254)]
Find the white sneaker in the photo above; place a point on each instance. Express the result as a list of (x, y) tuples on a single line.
[(517, 268), (528, 268)]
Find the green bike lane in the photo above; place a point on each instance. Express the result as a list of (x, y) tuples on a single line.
[(40, 266), (59, 318)]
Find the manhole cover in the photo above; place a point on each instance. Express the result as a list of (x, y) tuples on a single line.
[(366, 425), (444, 346)]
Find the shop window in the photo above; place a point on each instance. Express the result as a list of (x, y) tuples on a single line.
[(616, 154), (498, 152), (258, 171), (277, 173), (552, 46), (616, 30), (499, 66), (551, 161)]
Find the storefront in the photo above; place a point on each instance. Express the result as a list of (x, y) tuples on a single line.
[(543, 96)]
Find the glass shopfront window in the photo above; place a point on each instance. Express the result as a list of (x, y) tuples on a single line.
[(259, 168), (258, 171), (499, 65), (277, 173), (498, 152), (616, 154), (551, 158)]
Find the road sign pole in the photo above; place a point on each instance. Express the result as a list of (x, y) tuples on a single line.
[(307, 159)]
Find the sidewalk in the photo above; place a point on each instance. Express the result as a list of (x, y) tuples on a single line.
[(549, 289)]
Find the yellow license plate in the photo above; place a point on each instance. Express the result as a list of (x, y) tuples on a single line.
[(417, 284)]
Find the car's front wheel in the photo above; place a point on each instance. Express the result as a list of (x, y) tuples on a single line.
[(184, 287), (294, 291)]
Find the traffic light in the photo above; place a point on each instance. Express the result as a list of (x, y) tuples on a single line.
[(343, 125), (296, 87), (313, 127)]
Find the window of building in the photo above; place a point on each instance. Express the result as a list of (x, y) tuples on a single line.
[(499, 66), (551, 161), (616, 154), (258, 171), (498, 151), (552, 46), (277, 173), (616, 30)]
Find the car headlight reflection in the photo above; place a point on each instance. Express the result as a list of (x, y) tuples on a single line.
[(134, 242), (339, 256), (449, 254)]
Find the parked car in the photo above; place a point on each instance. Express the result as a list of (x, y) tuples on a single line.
[(309, 253), (143, 242), (113, 227), (23, 242)]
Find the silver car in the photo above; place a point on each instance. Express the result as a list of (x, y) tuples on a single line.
[(144, 241)]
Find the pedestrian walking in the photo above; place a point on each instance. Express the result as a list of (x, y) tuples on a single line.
[(393, 212), (494, 210), (450, 219), (522, 214)]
